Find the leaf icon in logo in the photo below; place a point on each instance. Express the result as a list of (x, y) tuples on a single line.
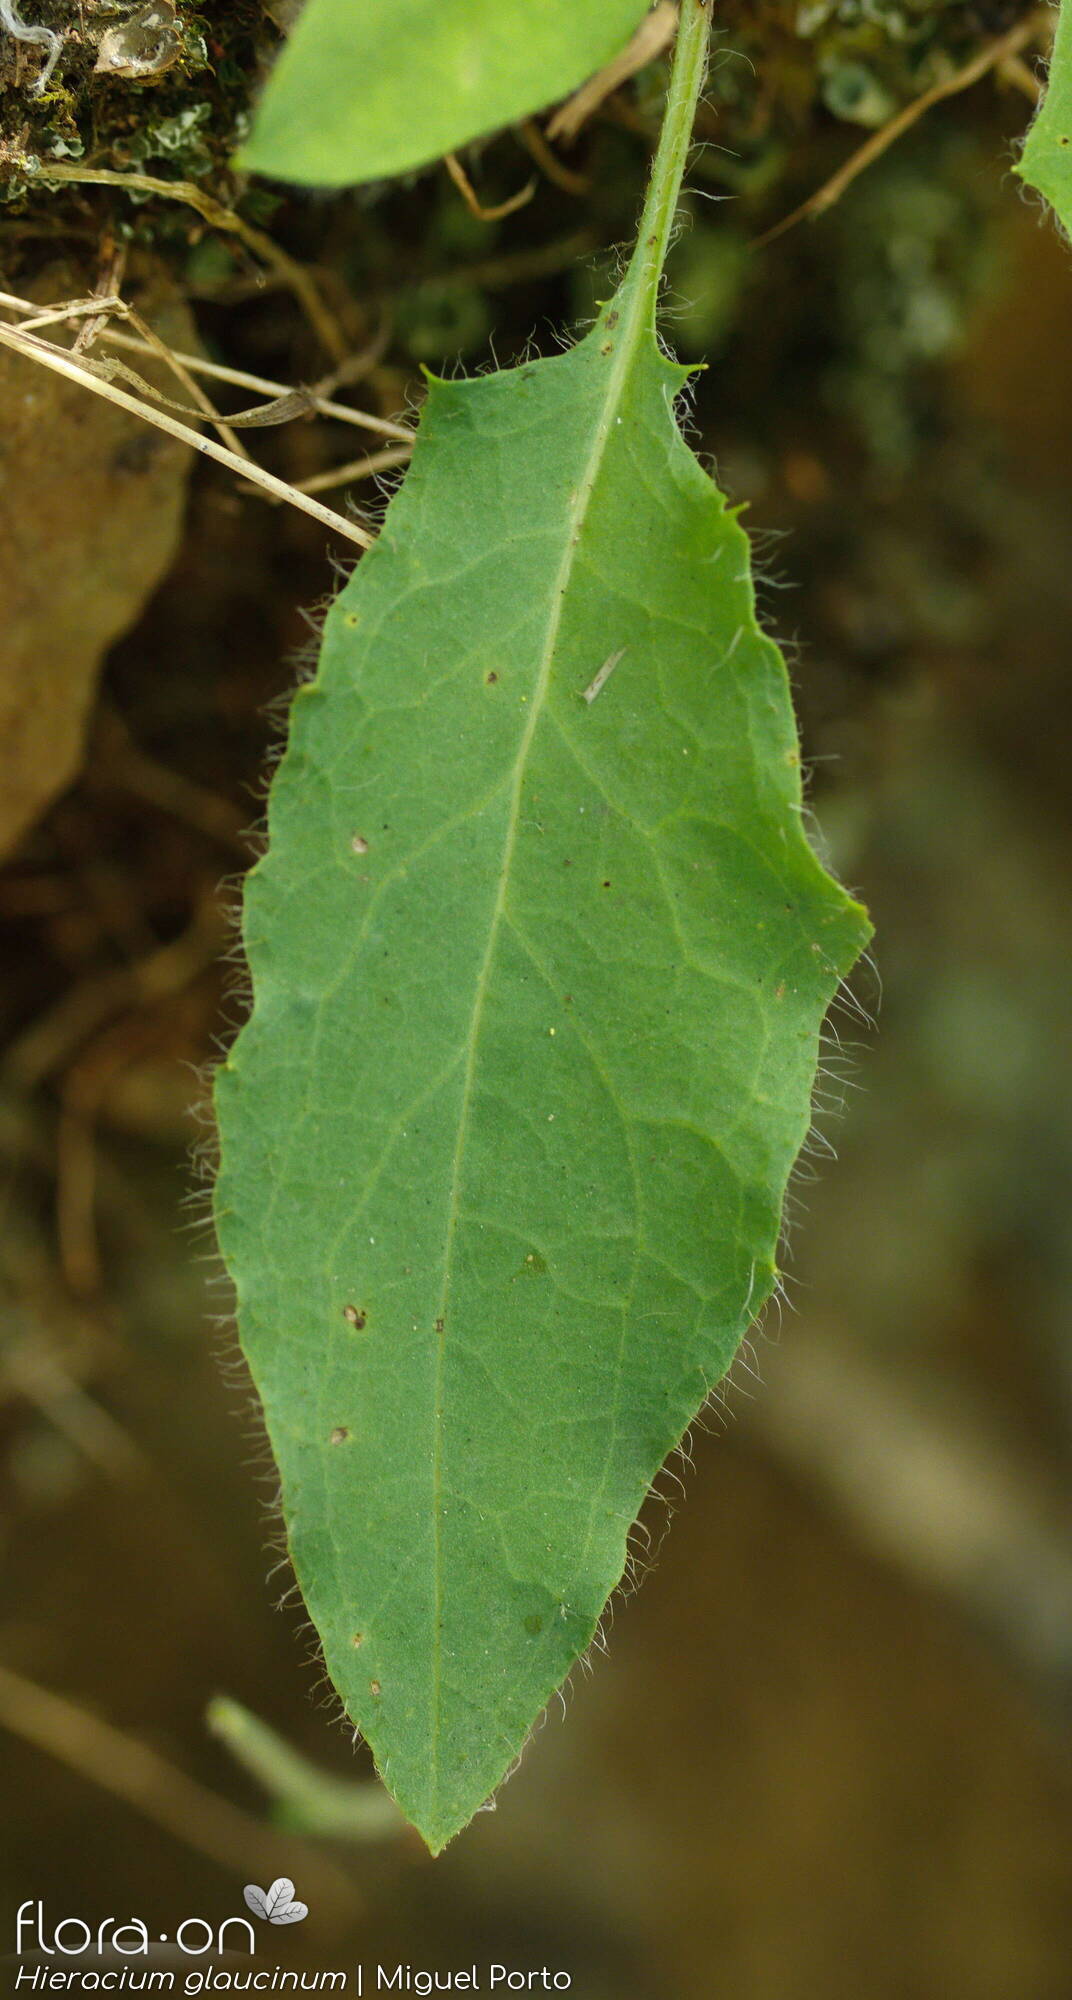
[(275, 1905)]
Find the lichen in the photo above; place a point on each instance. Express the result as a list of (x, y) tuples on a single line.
[(160, 81)]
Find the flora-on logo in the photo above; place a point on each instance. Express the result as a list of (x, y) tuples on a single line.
[(72, 1937), (275, 1905)]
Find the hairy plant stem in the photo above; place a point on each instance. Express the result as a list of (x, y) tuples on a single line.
[(668, 167)]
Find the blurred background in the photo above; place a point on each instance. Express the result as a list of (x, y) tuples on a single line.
[(828, 1751)]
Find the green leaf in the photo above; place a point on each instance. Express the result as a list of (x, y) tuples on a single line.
[(540, 954), (369, 88), (1046, 161)]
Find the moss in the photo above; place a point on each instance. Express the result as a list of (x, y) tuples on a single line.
[(159, 83)]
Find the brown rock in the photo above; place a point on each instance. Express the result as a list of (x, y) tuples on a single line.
[(91, 503)]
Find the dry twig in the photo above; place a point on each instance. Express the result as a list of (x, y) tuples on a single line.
[(188, 1811), (472, 200), (294, 275), (61, 363), (991, 57), (109, 284), (1014, 70), (315, 400), (358, 468), (184, 376), (655, 33), (547, 160)]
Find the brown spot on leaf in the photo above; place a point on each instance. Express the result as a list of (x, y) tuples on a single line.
[(492, 678), (439, 1326), (358, 1639), (339, 1435), (354, 1316), (358, 844), (374, 1687)]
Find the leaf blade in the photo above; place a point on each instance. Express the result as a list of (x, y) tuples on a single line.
[(1046, 160), (568, 1192), (460, 69), (532, 1048)]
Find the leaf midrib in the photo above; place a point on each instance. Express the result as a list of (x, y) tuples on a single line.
[(632, 300)]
